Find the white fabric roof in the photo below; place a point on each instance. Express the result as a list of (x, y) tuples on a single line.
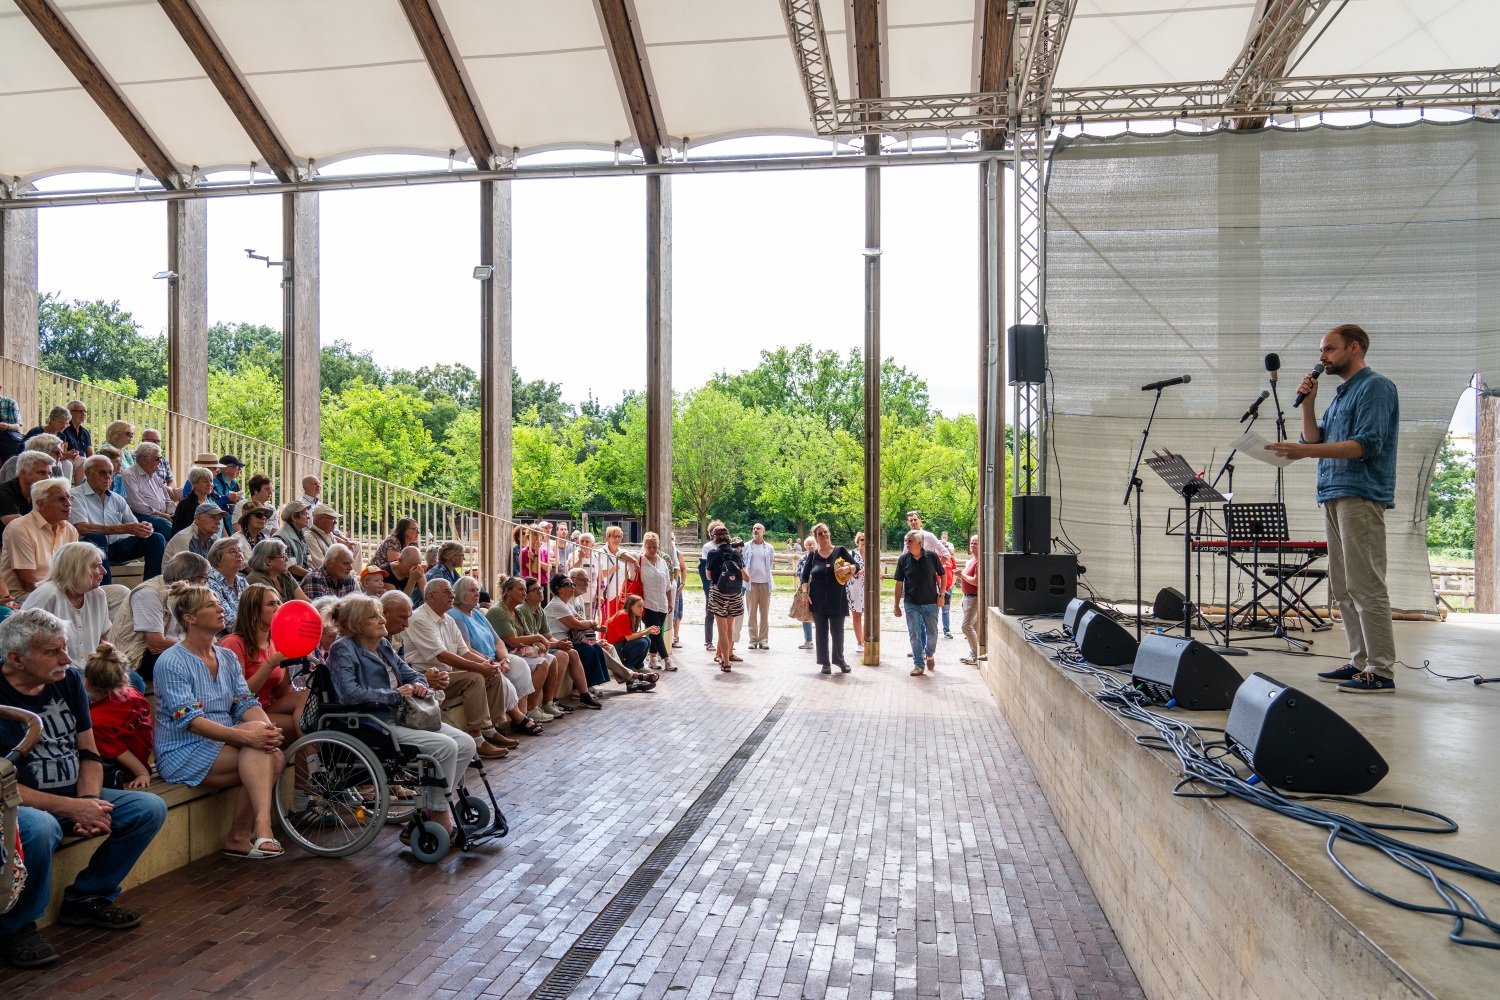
[(338, 78)]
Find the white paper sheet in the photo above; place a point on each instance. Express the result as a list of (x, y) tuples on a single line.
[(1258, 448)]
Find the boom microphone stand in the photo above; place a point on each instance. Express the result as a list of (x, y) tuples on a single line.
[(1133, 485), (1294, 645)]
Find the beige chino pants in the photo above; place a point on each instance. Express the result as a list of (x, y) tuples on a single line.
[(1356, 580)]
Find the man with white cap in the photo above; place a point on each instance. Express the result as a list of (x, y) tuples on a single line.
[(323, 532)]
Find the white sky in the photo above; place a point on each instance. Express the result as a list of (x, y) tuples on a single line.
[(759, 261)]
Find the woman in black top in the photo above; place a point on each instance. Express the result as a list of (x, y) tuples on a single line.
[(726, 593), (827, 598)]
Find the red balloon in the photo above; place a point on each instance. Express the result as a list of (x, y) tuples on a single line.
[(296, 629)]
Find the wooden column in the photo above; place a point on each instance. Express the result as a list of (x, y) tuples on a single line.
[(993, 488), (494, 378), (300, 346), (659, 356), (1486, 504), (874, 529), (187, 314), (18, 295)]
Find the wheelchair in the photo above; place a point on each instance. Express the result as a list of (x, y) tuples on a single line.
[(348, 768)]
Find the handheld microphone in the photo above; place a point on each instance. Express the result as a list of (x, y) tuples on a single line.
[(1317, 370), (1273, 365), (1179, 380), (1255, 406)]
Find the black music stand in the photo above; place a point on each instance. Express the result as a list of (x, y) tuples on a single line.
[(1176, 473), (1257, 523)]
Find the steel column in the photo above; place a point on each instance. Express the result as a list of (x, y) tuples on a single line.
[(659, 356), (993, 489), (300, 343), (874, 529), (495, 379)]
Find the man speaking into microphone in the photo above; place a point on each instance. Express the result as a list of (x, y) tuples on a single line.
[(1355, 446)]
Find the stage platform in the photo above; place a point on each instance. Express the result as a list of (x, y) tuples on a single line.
[(1217, 898)]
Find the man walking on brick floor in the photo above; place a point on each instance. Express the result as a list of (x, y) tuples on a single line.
[(917, 577), (62, 793), (760, 560)]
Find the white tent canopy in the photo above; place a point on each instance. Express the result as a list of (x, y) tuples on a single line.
[(337, 78)]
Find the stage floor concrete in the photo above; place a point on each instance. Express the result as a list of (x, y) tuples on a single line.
[(1440, 738)]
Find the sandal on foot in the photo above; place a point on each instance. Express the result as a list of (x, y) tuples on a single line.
[(97, 912), (27, 949), (257, 850), (529, 727)]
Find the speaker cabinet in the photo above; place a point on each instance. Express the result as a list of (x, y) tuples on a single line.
[(1102, 641), (1295, 742), (1077, 608), (1173, 669), (1031, 524), (1026, 353), (1170, 605), (1037, 585)]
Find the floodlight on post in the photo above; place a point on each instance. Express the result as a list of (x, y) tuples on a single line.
[(483, 272)]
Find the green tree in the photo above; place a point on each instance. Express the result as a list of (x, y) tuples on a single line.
[(1450, 500), (798, 479), (232, 346), (953, 501), (827, 385), (340, 364), (378, 431), (92, 341), (545, 469), (539, 402), (717, 445), (619, 461), (458, 383), (458, 471), (247, 400)]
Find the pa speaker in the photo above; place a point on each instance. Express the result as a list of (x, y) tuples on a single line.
[(1173, 669), (1102, 641), (1077, 608), (1026, 353), (1170, 605), (1297, 743), (1037, 585), (1031, 524)]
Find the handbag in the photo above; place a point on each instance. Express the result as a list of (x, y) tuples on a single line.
[(422, 713), (801, 609), (844, 570)]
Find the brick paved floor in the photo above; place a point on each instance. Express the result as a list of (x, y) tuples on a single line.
[(886, 840)]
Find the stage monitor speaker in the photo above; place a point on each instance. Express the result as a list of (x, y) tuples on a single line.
[(1077, 608), (1103, 642), (1037, 585), (1173, 669), (1170, 605), (1026, 353), (1296, 743), (1031, 524)]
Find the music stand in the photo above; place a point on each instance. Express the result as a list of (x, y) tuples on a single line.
[(1176, 473), (1257, 523)]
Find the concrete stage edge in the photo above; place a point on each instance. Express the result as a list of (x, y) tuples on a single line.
[(1217, 898)]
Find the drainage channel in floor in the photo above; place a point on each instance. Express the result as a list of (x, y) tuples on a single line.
[(579, 959)]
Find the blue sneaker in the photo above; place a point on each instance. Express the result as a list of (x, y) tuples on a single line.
[(1345, 673), (1368, 683)]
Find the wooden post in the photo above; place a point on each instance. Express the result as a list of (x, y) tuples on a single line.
[(187, 326), (659, 356), (1486, 504), (494, 378), (300, 343), (19, 333)]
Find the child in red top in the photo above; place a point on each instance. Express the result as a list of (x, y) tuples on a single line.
[(121, 717)]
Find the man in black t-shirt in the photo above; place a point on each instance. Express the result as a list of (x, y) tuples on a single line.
[(62, 792), (918, 573)]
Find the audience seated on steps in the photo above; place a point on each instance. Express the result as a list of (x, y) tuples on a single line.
[(269, 565), (225, 560), (103, 519), (56, 421), (206, 528), (15, 494), (145, 493), (323, 532), (335, 577), (142, 629), (116, 459), (406, 575), (64, 466), (30, 541), (63, 793), (293, 532), (251, 528), (164, 468), (259, 492), (199, 491), (72, 593)]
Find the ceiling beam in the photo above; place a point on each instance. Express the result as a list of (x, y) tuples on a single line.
[(1249, 85), (205, 48), (866, 62), (56, 33), (444, 65), (995, 47), (626, 51), (1039, 34), (804, 27)]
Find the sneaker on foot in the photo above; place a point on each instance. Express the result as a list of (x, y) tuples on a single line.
[(1368, 683), (540, 715), (1347, 672), (805, 645), (916, 671), (589, 701), (557, 708)]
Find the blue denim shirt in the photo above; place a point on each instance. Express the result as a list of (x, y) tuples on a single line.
[(1365, 409)]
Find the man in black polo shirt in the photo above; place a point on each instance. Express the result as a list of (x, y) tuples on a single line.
[(917, 574), (75, 435), (62, 792), (15, 494)]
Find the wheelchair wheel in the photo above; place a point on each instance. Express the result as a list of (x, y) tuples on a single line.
[(429, 842), (473, 813), (347, 795)]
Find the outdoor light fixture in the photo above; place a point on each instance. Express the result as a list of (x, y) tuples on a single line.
[(484, 272), (169, 275), (871, 251)]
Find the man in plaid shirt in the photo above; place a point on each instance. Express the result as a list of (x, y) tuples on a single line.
[(10, 427)]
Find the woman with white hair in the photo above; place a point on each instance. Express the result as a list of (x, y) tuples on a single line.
[(72, 593), (201, 482), (268, 566)]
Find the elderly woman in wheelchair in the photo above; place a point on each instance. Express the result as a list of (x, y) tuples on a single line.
[(344, 770)]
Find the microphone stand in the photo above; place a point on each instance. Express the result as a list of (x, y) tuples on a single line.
[(1228, 467), (1279, 631), (1134, 486)]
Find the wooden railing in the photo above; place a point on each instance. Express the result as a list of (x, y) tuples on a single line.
[(370, 507)]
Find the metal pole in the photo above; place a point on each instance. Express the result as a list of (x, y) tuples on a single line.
[(874, 531), (993, 487)]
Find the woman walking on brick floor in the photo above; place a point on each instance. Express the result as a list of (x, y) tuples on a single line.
[(828, 599), (855, 589), (726, 594)]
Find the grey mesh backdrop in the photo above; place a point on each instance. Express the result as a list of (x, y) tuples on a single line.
[(1199, 254)]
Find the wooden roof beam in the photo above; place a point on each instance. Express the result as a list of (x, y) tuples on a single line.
[(627, 52), (444, 65), (57, 34), (1250, 81), (221, 73), (866, 61), (995, 50)]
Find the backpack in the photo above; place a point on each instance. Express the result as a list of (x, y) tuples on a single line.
[(731, 573)]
